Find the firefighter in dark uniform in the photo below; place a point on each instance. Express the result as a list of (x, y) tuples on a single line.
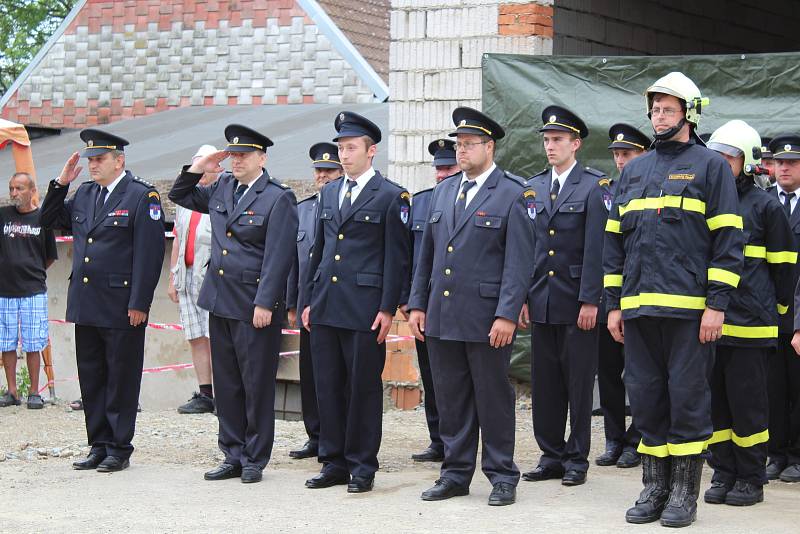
[(739, 404), (783, 375), (572, 204), (253, 229), (470, 282), (117, 252), (627, 143), (325, 161), (355, 278), (673, 254), (444, 161)]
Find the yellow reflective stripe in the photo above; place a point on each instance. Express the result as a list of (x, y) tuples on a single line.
[(783, 256), (749, 441), (782, 309), (719, 436), (721, 221), (613, 226), (663, 299), (721, 275), (749, 332), (668, 201), (686, 449), (661, 451), (755, 251), (612, 280)]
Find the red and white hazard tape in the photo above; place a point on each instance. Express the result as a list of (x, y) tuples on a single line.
[(69, 238)]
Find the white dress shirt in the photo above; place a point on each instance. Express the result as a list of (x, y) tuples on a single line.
[(793, 202), (561, 177), (361, 181), (113, 185), (479, 181)]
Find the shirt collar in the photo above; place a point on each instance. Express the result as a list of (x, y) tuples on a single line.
[(782, 190), (561, 177), (114, 184), (362, 180), (481, 177)]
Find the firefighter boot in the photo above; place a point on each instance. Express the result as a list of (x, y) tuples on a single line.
[(654, 496)]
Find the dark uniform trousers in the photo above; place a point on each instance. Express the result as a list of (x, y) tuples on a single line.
[(480, 403), (611, 364), (667, 372), (429, 387), (739, 412), (357, 269), (308, 389), (563, 369), (784, 401), (252, 251), (117, 256), (567, 274)]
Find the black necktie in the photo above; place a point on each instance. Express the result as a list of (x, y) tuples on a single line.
[(554, 190), (239, 193), (101, 199), (461, 202), (347, 202), (787, 203)]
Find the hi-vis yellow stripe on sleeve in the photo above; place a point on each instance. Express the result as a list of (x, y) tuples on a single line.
[(750, 332), (723, 276), (612, 280), (613, 226), (662, 299), (721, 221), (669, 201), (778, 256)]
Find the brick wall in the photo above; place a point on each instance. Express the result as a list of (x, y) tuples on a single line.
[(435, 59), (127, 58), (645, 27)]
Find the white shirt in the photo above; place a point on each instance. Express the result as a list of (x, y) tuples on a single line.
[(479, 181), (361, 181), (793, 202), (561, 177), (248, 185), (112, 185)]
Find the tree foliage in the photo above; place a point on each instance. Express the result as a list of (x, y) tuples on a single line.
[(25, 25)]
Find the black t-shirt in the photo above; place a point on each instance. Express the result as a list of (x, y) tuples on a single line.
[(25, 248)]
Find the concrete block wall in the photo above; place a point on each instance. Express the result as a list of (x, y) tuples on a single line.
[(435, 66)]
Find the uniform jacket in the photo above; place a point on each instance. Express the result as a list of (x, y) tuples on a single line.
[(307, 223), (117, 254), (674, 243), (765, 288), (420, 206), (361, 261), (568, 268), (789, 322), (252, 244), (478, 268)]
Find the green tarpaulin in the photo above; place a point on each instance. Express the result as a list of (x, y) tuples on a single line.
[(761, 89)]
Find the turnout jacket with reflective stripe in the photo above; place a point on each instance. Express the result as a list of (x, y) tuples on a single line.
[(765, 288), (673, 241)]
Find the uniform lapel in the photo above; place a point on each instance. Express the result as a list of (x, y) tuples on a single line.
[(365, 196), (450, 201), (480, 197), (570, 184), (113, 199), (248, 198)]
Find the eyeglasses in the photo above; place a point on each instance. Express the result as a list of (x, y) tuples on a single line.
[(468, 146), (668, 112)]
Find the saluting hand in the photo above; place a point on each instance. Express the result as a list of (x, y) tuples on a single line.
[(262, 317), (616, 326), (416, 321), (711, 325), (71, 169), (502, 332), (382, 323), (137, 317), (209, 163), (587, 316)]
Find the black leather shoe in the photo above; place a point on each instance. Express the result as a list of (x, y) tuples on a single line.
[(744, 494), (503, 494), (629, 458), (308, 450), (774, 468), (112, 464), (251, 474), (90, 462), (610, 457), (791, 473), (224, 471), (717, 492), (573, 477), (326, 480), (360, 484), (442, 489), (542, 473), (428, 455)]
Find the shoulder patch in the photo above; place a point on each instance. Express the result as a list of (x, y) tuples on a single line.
[(154, 194), (599, 174), (519, 179), (405, 195), (529, 193), (604, 182)]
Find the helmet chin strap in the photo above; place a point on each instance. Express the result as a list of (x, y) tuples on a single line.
[(672, 132)]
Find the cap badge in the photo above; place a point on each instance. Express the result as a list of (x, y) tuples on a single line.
[(326, 156), (787, 147), (463, 122), (620, 137), (441, 143), (235, 140), (341, 116), (552, 118), (90, 143)]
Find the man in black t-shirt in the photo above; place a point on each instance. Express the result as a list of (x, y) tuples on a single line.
[(26, 251)]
